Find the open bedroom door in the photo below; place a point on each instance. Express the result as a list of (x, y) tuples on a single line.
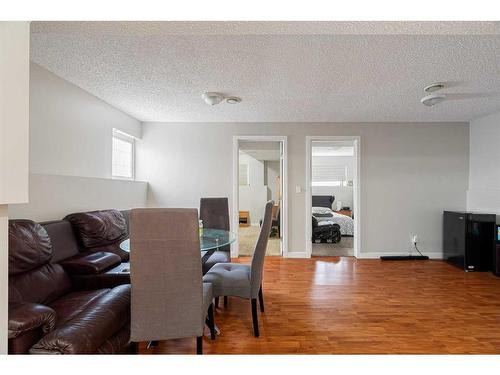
[(333, 197)]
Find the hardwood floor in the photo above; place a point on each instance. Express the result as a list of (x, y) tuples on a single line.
[(346, 306)]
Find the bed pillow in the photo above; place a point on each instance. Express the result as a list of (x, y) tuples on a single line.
[(322, 211)]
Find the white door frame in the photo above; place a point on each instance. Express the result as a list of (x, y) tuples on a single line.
[(356, 189), (284, 184)]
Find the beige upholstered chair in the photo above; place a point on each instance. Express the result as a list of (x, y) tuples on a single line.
[(241, 280), (168, 298)]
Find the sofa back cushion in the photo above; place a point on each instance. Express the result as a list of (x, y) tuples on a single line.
[(29, 246), (99, 228), (62, 236), (31, 277)]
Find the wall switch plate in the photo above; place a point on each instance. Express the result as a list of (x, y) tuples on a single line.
[(298, 189)]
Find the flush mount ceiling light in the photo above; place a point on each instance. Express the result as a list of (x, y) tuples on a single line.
[(432, 99), (212, 98), (233, 100), (434, 87)]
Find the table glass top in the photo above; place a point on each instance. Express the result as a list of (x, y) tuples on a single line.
[(210, 239)]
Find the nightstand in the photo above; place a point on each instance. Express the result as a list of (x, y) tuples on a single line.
[(344, 212)]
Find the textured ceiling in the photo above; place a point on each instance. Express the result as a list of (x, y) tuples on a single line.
[(374, 73)]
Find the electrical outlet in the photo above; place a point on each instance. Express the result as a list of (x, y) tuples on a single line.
[(414, 239)]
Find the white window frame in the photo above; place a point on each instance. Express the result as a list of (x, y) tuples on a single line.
[(127, 138)]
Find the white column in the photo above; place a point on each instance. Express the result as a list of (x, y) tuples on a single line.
[(14, 139)]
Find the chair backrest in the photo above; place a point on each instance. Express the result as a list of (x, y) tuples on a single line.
[(166, 276), (215, 214), (259, 253)]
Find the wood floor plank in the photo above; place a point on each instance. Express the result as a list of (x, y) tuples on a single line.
[(334, 305)]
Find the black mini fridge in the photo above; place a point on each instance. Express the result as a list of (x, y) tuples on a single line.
[(469, 240)]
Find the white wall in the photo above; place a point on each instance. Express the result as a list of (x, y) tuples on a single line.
[(70, 129), (71, 138), (484, 177), (253, 197), (53, 197), (410, 173), (271, 173), (14, 128)]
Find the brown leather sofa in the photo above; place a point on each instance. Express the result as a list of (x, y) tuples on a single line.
[(101, 230), (65, 299), (70, 251)]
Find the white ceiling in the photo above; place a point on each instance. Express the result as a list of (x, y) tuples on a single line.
[(283, 71), (261, 150)]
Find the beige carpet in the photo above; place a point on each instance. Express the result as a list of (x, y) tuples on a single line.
[(248, 237), (342, 248)]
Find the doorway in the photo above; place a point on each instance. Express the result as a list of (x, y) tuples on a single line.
[(259, 175), (332, 199)]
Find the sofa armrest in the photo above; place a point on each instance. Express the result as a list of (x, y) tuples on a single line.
[(24, 317), (86, 332), (90, 263)]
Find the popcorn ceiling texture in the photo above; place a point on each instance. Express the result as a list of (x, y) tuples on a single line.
[(284, 72)]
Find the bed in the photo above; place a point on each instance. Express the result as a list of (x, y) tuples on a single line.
[(322, 212)]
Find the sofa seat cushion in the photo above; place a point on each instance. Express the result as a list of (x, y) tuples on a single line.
[(42, 285), (117, 344), (91, 263), (74, 303), (102, 317)]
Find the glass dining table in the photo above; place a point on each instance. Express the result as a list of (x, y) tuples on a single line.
[(210, 240)]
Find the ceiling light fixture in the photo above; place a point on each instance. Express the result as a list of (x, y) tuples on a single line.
[(432, 99), (434, 87), (233, 100), (212, 98)]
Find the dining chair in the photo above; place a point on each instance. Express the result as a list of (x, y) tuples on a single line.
[(242, 280), (169, 300), (215, 214)]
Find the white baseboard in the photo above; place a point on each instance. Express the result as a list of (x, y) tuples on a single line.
[(296, 254), (433, 255)]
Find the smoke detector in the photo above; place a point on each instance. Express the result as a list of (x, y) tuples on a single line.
[(434, 87), (432, 99)]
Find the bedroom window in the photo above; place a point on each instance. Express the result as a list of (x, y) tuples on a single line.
[(329, 175), (122, 165)]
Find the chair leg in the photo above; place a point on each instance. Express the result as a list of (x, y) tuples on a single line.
[(199, 345), (216, 302), (134, 348), (225, 301), (261, 300), (151, 344), (211, 321), (254, 318)]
